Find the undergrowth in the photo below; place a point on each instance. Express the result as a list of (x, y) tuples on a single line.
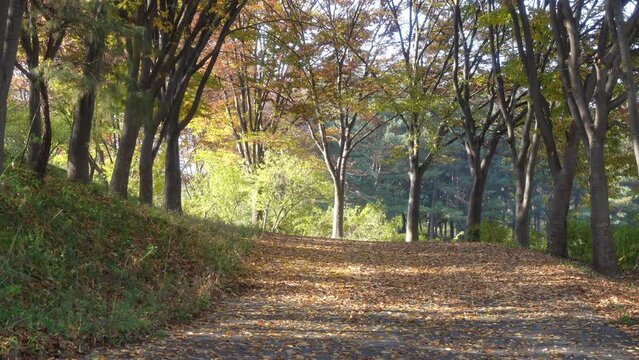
[(79, 268)]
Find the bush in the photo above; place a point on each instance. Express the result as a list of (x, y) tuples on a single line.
[(625, 237), (370, 223), (360, 223), (78, 267), (495, 232)]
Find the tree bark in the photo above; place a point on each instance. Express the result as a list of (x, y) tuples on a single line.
[(130, 128), (338, 210), (412, 218), (78, 152), (603, 246), (475, 202), (45, 148), (35, 120), (11, 12), (146, 164), (124, 157), (172, 170), (618, 25), (557, 226)]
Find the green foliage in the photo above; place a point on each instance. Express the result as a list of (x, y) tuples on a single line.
[(222, 191), (495, 232), (287, 186), (368, 222), (625, 238), (79, 266)]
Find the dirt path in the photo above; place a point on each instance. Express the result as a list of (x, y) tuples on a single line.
[(313, 298)]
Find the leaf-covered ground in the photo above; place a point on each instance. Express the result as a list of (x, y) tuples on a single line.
[(318, 298)]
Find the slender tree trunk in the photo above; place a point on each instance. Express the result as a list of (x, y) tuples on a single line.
[(475, 202), (603, 246), (338, 210), (78, 152), (618, 25), (557, 226), (35, 120), (11, 12), (124, 157), (146, 164), (172, 170), (45, 148), (412, 218), (522, 224), (78, 161), (258, 213)]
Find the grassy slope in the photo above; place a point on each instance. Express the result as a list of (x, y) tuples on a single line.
[(78, 268)]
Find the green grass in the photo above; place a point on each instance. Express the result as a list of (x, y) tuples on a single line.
[(79, 268)]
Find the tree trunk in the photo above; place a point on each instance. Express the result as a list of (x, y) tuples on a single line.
[(338, 213), (78, 157), (412, 218), (78, 152), (557, 226), (522, 224), (338, 210), (124, 157), (172, 170), (258, 213), (603, 246), (618, 25), (475, 202), (35, 120), (146, 164), (10, 26), (45, 148)]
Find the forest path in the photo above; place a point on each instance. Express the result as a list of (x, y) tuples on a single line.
[(318, 298)]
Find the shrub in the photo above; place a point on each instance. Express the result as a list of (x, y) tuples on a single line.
[(495, 232), (625, 237)]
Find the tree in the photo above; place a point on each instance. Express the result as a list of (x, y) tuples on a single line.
[(622, 32), (40, 133), (10, 26), (589, 80), (78, 151), (562, 165), (251, 69), (476, 100), (524, 156), (335, 46), (199, 52), (425, 60)]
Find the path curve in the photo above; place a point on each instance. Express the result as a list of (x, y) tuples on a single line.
[(319, 298)]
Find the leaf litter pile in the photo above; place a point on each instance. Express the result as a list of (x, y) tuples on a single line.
[(320, 298)]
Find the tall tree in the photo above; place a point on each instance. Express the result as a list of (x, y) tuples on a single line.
[(524, 156), (200, 51), (78, 151), (10, 26), (335, 46), (621, 31), (476, 99), (589, 81), (251, 71), (422, 37), (562, 165), (147, 51), (37, 55)]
